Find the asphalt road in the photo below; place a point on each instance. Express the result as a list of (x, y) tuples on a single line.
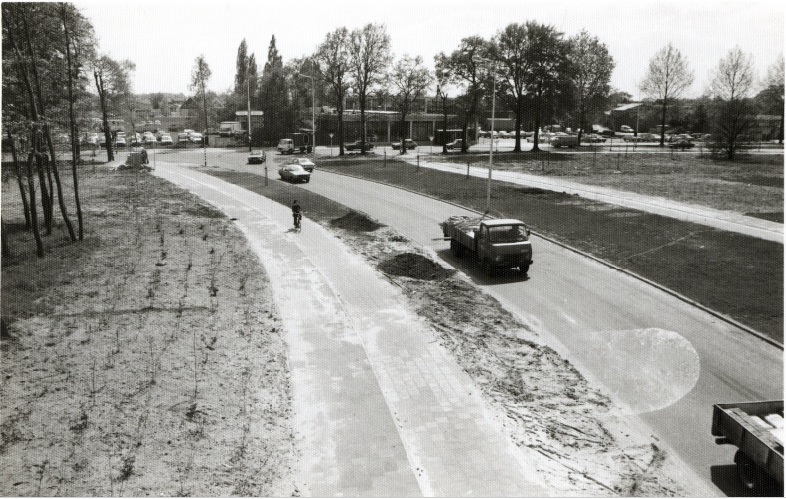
[(662, 359)]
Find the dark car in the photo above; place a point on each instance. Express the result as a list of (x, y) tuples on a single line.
[(256, 157), (355, 146), (408, 143), (456, 144), (681, 144), (294, 173)]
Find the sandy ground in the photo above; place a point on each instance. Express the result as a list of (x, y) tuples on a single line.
[(154, 362)]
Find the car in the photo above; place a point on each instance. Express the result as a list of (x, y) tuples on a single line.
[(626, 129), (91, 139), (564, 140), (681, 144), (294, 173), (306, 163), (256, 157), (408, 144), (355, 146), (120, 141), (592, 138), (135, 140), (166, 140), (195, 137), (456, 144), (182, 138)]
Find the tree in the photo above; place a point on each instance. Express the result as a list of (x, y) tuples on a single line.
[(200, 75), (442, 75), (369, 50), (274, 95), (510, 48), (464, 69), (667, 78), (79, 44), (410, 79), (548, 75), (773, 93), (113, 84), (732, 81), (592, 68), (332, 57)]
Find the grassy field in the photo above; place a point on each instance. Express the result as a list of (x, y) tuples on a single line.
[(736, 275)]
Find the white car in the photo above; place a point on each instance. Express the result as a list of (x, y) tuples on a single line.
[(166, 140), (195, 137), (306, 163), (148, 138)]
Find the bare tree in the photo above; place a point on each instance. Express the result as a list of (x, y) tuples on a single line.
[(113, 83), (333, 58), (369, 50), (591, 72), (732, 82), (511, 51), (774, 91), (200, 74), (409, 79), (667, 78)]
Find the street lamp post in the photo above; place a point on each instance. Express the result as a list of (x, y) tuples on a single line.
[(248, 104), (491, 137), (331, 144), (313, 115)]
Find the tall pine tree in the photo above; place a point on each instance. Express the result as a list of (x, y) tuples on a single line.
[(274, 97)]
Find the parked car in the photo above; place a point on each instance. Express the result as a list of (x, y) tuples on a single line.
[(120, 141), (626, 129), (408, 144), (195, 137), (148, 138), (456, 144), (294, 173), (564, 140), (166, 140), (91, 139), (182, 138), (256, 157), (681, 144), (356, 146), (306, 163), (592, 138)]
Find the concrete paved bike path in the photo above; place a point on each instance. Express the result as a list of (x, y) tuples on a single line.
[(719, 219), (381, 409)]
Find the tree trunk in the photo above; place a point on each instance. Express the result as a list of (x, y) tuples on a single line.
[(6, 252), (536, 137), (340, 111), (33, 214), (663, 124), (445, 126), (519, 111), (72, 125), (105, 116), (60, 200), (363, 123), (18, 172)]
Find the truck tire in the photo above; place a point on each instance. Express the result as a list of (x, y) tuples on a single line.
[(752, 476), (456, 249), (488, 268), (523, 268)]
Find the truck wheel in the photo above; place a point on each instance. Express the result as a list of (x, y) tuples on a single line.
[(488, 268), (523, 268), (455, 248), (751, 476)]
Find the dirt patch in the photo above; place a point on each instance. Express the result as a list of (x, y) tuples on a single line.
[(356, 221), (415, 266), (147, 359)]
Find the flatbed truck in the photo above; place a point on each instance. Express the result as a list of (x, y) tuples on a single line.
[(494, 242), (756, 429)]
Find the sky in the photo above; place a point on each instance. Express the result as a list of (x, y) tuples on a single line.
[(164, 37)]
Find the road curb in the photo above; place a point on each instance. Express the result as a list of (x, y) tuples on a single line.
[(605, 263)]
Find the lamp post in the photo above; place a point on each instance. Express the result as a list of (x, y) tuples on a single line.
[(331, 144), (248, 104), (491, 137), (313, 115)]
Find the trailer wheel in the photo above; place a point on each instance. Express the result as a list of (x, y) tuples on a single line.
[(455, 248), (751, 476), (488, 268)]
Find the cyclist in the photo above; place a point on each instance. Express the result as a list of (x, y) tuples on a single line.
[(296, 213)]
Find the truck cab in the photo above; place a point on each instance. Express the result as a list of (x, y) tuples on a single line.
[(503, 243)]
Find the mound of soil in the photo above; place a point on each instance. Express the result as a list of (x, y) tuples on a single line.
[(356, 221), (414, 266)]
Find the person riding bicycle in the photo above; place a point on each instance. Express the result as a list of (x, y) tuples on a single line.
[(296, 213)]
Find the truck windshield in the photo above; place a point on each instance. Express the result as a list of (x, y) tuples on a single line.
[(507, 234)]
